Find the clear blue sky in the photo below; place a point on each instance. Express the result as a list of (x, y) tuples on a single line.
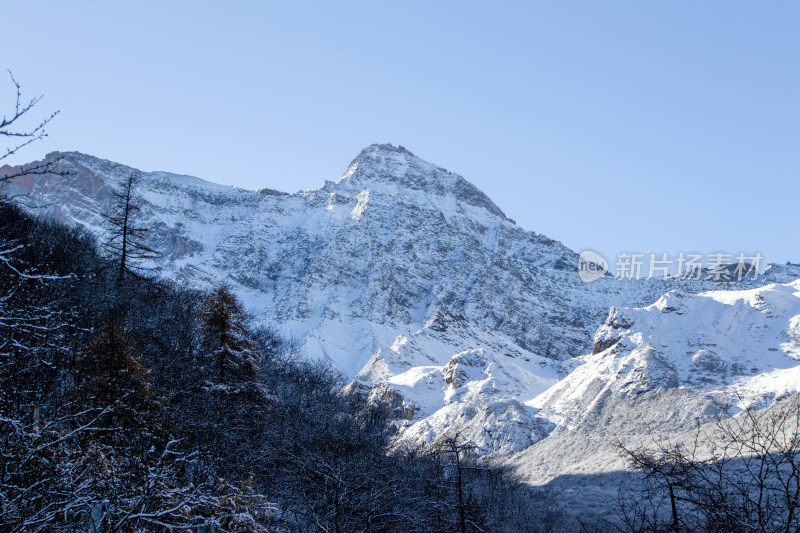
[(646, 126)]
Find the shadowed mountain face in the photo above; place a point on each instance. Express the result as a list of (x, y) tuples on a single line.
[(402, 273)]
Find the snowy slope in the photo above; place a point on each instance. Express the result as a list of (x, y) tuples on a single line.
[(437, 385), (664, 370), (741, 347)]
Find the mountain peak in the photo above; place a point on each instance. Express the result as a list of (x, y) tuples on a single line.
[(394, 168), (387, 147)]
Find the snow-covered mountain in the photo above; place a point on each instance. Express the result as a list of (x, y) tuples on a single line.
[(348, 267), (664, 371), (738, 348), (437, 305)]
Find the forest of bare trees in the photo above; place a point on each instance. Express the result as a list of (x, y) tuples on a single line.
[(163, 410), (742, 474)]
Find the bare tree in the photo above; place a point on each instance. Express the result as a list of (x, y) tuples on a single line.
[(127, 238), (453, 462), (16, 136), (744, 475), (668, 475)]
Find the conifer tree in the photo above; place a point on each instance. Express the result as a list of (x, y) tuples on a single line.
[(230, 406), (138, 468), (113, 376), (231, 357)]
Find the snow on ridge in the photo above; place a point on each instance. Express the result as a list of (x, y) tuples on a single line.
[(738, 347), (778, 273), (393, 169), (105, 166)]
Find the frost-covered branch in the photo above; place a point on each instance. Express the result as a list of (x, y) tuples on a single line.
[(10, 122)]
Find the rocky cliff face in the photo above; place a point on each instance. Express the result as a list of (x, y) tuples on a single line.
[(348, 267), (403, 274)]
